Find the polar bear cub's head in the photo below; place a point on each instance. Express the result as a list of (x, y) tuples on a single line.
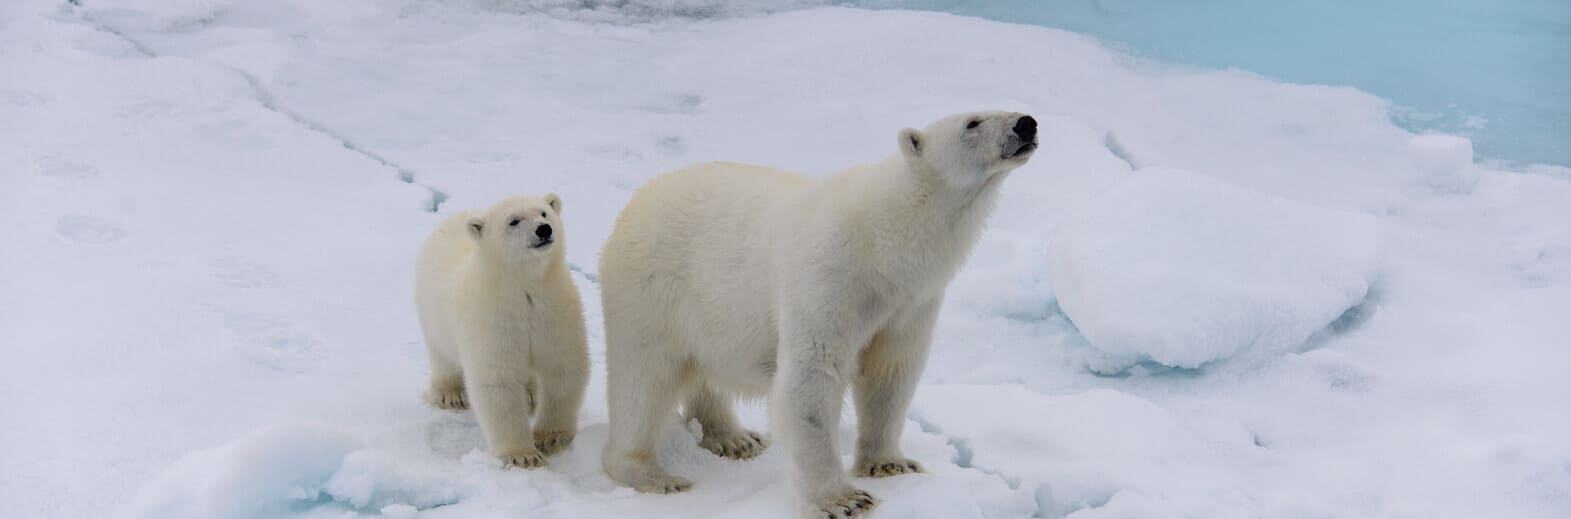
[(972, 147), (521, 227)]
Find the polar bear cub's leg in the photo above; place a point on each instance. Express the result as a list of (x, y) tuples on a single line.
[(558, 388), (447, 381), (723, 435), (500, 398)]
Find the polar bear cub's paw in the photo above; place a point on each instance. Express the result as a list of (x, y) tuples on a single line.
[(662, 484), (739, 445), (886, 468), (549, 442), (523, 458), (450, 397)]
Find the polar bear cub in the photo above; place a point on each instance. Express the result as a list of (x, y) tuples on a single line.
[(729, 279), (504, 327)]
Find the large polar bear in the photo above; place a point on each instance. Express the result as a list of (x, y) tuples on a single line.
[(722, 279), (504, 326)]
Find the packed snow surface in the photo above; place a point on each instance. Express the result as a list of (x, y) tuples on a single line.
[(212, 208)]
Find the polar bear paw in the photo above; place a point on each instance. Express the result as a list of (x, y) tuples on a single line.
[(639, 472), (662, 484), (886, 468), (525, 458), (552, 442), (738, 445), (450, 398), (853, 504)]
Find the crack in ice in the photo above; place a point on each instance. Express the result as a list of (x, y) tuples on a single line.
[(265, 98), (965, 455)]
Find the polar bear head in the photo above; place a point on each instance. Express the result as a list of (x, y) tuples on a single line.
[(971, 148), (521, 227)]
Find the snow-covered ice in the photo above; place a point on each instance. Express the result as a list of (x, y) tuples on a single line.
[(261, 475), (1177, 268), (212, 209)]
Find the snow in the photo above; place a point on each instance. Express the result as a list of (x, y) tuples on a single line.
[(1083, 449), (259, 475), (1176, 268), (212, 210), (1446, 160)]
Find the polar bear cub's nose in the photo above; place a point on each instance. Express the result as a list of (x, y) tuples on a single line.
[(543, 231), (1026, 128)]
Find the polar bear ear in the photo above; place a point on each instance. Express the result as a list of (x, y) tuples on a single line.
[(475, 226), (554, 201), (911, 142)]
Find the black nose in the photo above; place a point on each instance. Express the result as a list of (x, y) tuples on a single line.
[(1026, 128), (543, 231)]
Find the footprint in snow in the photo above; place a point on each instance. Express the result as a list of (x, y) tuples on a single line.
[(87, 229), (273, 342), (671, 145), (674, 104), (243, 273), (65, 167), (25, 98)]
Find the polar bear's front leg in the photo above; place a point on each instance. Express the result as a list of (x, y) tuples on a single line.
[(889, 370), (563, 373), (497, 382), (805, 411), (447, 382), (643, 382)]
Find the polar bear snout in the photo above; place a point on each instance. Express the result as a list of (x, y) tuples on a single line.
[(1025, 127), (1022, 138), (543, 233)]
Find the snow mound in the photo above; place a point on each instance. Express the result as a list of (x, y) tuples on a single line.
[(1445, 161), (297, 470), (1176, 268), (371, 480), (263, 474)]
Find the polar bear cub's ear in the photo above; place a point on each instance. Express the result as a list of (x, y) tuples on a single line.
[(475, 225), (911, 142), (554, 201)]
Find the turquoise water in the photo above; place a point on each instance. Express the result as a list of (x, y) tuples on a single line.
[(1496, 71)]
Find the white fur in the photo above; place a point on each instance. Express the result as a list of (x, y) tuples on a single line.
[(504, 327), (711, 267)]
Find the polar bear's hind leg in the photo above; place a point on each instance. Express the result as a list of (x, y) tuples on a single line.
[(723, 435)]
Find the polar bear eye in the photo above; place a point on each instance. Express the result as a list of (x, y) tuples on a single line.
[(514, 223), (973, 124), (542, 214)]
